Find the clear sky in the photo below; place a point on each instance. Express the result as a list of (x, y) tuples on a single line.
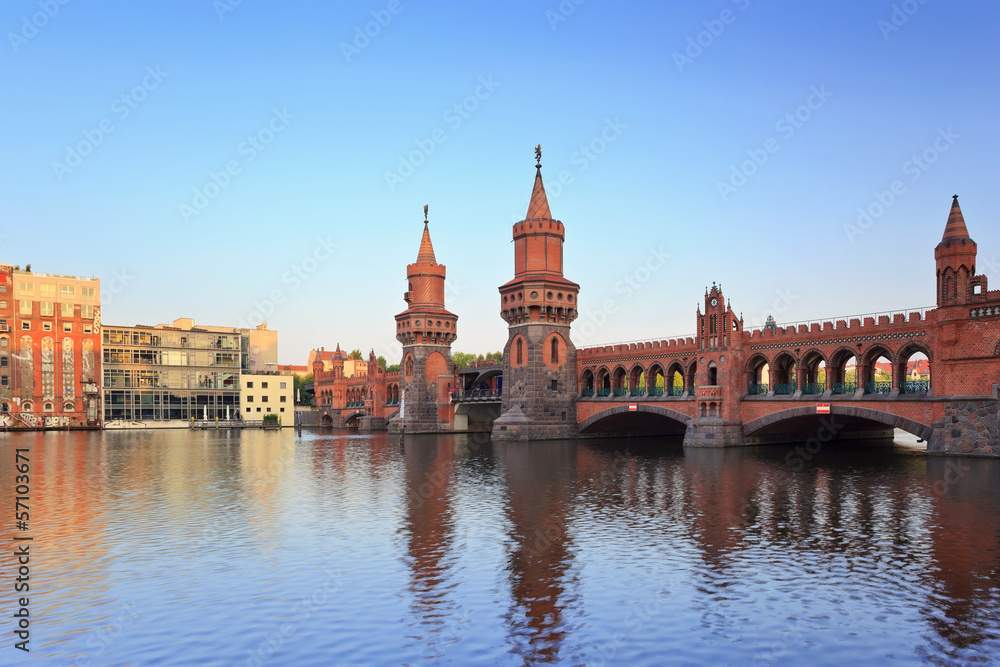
[(119, 121)]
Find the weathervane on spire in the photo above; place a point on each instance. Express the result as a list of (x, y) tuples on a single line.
[(538, 156), (427, 208)]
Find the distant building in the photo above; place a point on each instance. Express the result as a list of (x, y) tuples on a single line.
[(351, 367), (49, 348), (297, 371), (169, 374), (262, 394)]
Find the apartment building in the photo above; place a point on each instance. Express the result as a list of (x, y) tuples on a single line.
[(268, 393), (50, 348), (168, 374)]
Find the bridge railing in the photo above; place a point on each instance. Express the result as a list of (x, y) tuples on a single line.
[(478, 394), (845, 322)]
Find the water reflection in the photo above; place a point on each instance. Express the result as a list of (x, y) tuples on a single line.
[(453, 549)]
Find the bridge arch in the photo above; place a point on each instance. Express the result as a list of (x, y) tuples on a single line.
[(783, 374), (900, 368), (635, 378), (587, 382), (656, 380), (812, 362), (603, 381), (849, 416), (645, 420), (353, 420)]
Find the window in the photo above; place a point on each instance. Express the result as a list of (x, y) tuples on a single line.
[(48, 407), (25, 307), (46, 326), (88, 328), (26, 289), (248, 409), (4, 342), (26, 326), (3, 289), (520, 352), (26, 407), (68, 327), (47, 308), (284, 399), (4, 381), (284, 385), (4, 361), (258, 409), (269, 410), (66, 309), (3, 305), (263, 399), (249, 385), (249, 399), (282, 409), (555, 385), (263, 385), (47, 289), (88, 293), (87, 312), (67, 291)]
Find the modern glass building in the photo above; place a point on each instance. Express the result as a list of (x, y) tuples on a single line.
[(170, 374)]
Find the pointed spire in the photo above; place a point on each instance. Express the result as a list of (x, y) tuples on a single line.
[(426, 254), (539, 206), (955, 231)]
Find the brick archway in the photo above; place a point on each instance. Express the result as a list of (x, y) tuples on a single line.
[(916, 428), (641, 408)]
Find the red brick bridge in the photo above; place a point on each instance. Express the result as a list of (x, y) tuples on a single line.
[(724, 385)]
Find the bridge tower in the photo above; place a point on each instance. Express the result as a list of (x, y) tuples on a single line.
[(426, 330), (718, 375), (539, 305), (955, 257)]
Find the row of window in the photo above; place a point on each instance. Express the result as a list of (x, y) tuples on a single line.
[(263, 385), (267, 410), (68, 406), (67, 327), (48, 308), (26, 288), (196, 340), (263, 399)]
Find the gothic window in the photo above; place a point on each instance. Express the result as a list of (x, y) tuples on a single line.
[(555, 350), (520, 352)]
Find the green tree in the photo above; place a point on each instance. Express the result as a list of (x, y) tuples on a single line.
[(392, 369), (380, 360), (299, 383), (356, 354), (463, 359)]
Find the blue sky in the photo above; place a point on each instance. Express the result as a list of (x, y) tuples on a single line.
[(644, 109)]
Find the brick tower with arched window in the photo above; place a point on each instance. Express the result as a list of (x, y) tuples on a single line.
[(539, 305), (426, 330)]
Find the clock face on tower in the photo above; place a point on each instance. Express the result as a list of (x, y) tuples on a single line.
[(714, 302)]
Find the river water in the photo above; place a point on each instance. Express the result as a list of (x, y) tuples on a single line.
[(337, 548)]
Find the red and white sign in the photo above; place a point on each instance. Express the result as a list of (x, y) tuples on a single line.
[(823, 408), (633, 407)]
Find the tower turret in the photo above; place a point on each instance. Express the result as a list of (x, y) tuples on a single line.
[(426, 329), (955, 257), (539, 305)]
